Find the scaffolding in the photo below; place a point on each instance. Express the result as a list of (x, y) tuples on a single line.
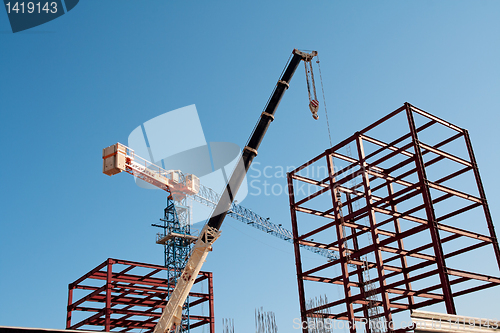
[(128, 296), (405, 208)]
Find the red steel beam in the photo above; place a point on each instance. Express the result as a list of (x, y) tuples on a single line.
[(296, 248), (374, 233), (432, 117), (482, 194), (340, 235)]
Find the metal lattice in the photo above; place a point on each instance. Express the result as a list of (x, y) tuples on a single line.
[(176, 220)]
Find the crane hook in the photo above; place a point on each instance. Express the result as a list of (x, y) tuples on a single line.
[(313, 99), (314, 106)]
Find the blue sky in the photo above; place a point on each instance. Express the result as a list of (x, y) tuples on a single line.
[(84, 81)]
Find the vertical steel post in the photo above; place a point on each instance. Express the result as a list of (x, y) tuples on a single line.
[(374, 233), (342, 249), (360, 271), (211, 302), (107, 320), (296, 249), (397, 229), (431, 217), (71, 287), (482, 194)]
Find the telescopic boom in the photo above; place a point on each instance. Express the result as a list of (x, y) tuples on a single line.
[(172, 314)]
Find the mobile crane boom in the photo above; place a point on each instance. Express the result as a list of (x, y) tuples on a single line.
[(172, 313)]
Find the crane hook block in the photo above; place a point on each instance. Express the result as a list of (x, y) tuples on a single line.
[(314, 106)]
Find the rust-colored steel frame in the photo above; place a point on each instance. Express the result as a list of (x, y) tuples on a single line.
[(346, 221), (125, 300)]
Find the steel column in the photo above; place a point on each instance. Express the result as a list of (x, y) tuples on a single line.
[(296, 249), (374, 230), (482, 194), (341, 238), (109, 270), (211, 302), (431, 218)]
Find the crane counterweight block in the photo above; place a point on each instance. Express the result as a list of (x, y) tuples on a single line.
[(113, 159), (118, 158)]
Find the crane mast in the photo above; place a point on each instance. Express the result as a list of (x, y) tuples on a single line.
[(172, 314)]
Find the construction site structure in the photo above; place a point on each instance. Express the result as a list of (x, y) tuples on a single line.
[(127, 296), (407, 213), (176, 236)]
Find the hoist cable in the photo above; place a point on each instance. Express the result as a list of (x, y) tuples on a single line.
[(312, 81), (324, 101), (307, 81)]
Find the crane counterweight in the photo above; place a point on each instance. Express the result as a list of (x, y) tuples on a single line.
[(118, 158)]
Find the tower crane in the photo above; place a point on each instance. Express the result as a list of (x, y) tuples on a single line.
[(115, 161), (120, 158)]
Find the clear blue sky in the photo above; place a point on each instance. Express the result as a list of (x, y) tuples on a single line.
[(84, 81)]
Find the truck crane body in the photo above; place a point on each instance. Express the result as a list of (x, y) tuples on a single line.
[(115, 161)]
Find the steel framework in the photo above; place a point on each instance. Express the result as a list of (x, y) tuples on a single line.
[(129, 296), (408, 205)]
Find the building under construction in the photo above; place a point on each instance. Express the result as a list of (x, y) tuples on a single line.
[(404, 207), (394, 214), (397, 214), (400, 215)]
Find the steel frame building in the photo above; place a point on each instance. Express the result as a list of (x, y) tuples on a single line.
[(399, 210), (129, 296)]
